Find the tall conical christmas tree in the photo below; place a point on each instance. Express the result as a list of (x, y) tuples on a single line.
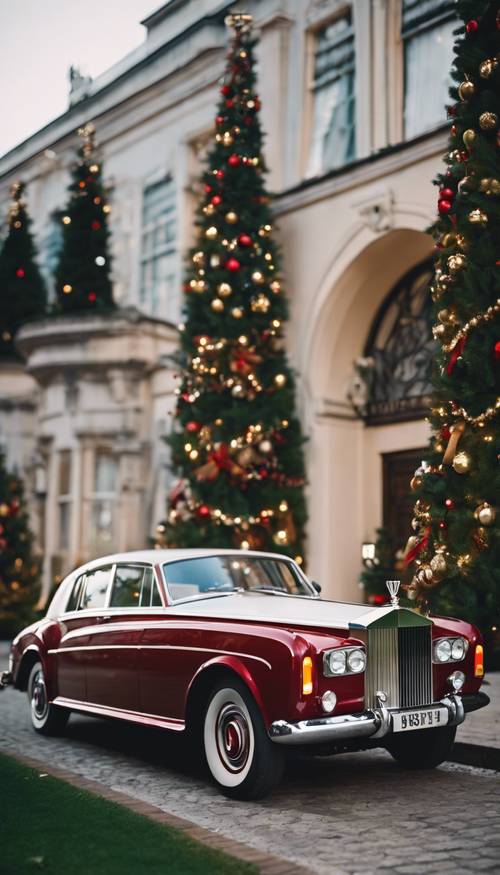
[(83, 271), (22, 289), (456, 546), (19, 571), (239, 444)]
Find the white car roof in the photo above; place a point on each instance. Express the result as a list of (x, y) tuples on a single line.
[(158, 557)]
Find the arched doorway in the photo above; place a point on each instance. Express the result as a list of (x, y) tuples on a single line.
[(368, 379)]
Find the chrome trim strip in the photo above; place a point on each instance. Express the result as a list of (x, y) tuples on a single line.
[(94, 707), (157, 647), (375, 723)]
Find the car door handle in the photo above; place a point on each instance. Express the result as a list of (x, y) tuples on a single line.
[(104, 618)]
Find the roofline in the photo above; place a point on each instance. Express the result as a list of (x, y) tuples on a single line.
[(162, 12), (76, 108)]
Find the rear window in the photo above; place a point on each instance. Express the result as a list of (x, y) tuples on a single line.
[(134, 587), (96, 587), (75, 593)]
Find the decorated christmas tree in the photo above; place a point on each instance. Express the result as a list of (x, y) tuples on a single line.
[(238, 444), (21, 284), (19, 571), (456, 543), (83, 272)]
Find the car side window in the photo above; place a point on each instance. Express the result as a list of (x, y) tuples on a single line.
[(96, 587), (75, 593), (156, 598), (150, 597), (126, 592)]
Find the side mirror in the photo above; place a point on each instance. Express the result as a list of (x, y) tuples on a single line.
[(317, 586)]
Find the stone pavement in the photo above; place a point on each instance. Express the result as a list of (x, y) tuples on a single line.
[(355, 813), (483, 727)]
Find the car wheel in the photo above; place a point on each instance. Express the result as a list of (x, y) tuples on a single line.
[(46, 718), (242, 759), (422, 748)]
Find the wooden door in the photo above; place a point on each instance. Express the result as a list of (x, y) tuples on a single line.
[(398, 469)]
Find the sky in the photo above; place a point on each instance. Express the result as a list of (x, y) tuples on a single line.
[(40, 39)]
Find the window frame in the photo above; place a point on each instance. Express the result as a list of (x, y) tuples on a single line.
[(88, 571), (107, 606), (148, 294)]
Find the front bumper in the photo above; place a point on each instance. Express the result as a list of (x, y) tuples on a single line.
[(374, 724)]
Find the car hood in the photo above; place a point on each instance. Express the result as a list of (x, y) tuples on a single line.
[(296, 611)]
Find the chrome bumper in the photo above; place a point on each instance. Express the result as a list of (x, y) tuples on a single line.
[(348, 727)]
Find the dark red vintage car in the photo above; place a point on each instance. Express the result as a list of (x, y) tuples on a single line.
[(239, 650)]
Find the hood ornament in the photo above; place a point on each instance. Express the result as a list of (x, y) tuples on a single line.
[(393, 588)]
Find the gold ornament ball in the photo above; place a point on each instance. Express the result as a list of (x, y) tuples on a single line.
[(447, 317), (280, 380), (198, 257), (209, 210), (477, 217), (461, 463), (275, 287), (257, 277), (4, 509), (488, 121), (260, 304), (227, 138), (456, 262), (265, 446), (439, 331), (215, 260), (415, 482), (448, 240), (237, 312), (224, 290), (217, 305), (466, 90), (211, 232), (490, 185), (462, 242), (487, 67), (469, 137), (231, 217), (485, 514)]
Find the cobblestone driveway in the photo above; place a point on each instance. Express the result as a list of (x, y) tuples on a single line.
[(348, 814)]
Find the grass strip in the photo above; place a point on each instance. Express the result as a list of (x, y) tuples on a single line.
[(49, 826)]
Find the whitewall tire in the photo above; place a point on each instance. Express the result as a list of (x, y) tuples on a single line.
[(242, 759), (46, 718)]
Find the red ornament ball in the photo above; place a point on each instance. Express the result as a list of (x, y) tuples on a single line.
[(449, 504), (20, 272), (208, 188), (444, 207), (203, 510), (3, 543), (193, 426), (233, 264), (229, 104), (234, 160), (96, 225), (92, 297), (225, 90), (443, 524), (219, 119), (216, 200), (446, 194), (496, 351), (471, 26), (245, 240), (219, 174)]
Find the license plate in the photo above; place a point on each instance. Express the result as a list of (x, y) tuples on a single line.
[(420, 719)]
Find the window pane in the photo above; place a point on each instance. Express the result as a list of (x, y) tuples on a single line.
[(105, 472), (96, 586), (333, 132), (64, 518), (102, 515), (126, 587), (75, 594), (65, 472), (428, 58), (156, 600), (146, 588), (158, 240)]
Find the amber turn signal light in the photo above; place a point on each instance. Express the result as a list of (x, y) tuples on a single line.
[(479, 661), (307, 676)]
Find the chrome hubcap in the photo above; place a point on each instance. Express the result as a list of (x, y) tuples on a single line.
[(39, 695), (233, 739)]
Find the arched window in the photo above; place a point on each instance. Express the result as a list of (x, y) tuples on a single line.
[(398, 353)]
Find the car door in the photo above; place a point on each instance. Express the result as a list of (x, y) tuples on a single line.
[(70, 656), (112, 663)]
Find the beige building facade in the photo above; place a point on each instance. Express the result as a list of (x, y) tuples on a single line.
[(353, 108)]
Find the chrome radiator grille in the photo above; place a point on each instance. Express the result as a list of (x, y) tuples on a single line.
[(399, 663)]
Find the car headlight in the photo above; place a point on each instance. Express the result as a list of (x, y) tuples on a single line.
[(337, 660), (356, 660), (349, 660), (450, 649)]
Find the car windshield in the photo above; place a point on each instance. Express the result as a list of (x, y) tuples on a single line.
[(188, 578)]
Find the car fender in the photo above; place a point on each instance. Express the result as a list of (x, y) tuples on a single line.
[(28, 657), (236, 665)]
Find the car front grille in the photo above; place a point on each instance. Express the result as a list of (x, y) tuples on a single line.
[(399, 663)]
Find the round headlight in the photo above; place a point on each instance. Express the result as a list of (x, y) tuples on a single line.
[(337, 662), (442, 650), (328, 701), (356, 660), (458, 649)]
